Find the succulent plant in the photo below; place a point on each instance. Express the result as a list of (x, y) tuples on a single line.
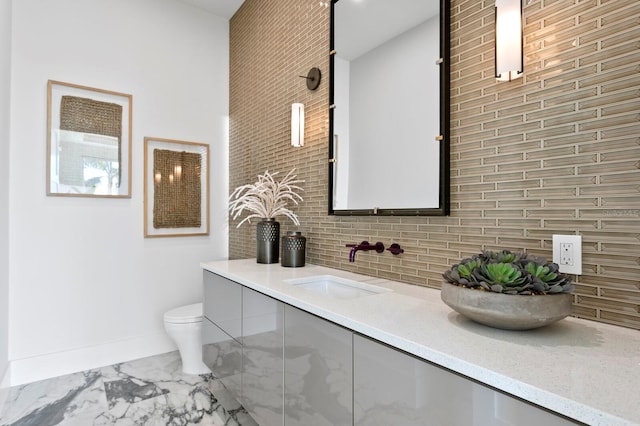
[(510, 273)]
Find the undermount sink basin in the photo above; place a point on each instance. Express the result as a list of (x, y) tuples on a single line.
[(336, 287)]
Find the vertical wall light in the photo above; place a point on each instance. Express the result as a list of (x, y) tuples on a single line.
[(509, 61), (313, 78), (297, 124)]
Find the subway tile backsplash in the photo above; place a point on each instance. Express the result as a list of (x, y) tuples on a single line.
[(557, 151)]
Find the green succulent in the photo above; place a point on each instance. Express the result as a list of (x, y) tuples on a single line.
[(502, 273), (502, 278), (466, 269), (510, 273), (462, 273)]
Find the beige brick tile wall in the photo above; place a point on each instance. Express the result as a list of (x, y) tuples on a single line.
[(555, 152)]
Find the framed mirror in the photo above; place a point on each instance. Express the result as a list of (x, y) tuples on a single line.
[(389, 108), (88, 141)]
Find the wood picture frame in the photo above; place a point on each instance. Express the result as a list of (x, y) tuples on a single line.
[(88, 141), (176, 188)]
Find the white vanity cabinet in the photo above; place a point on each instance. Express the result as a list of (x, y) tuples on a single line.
[(395, 388), (262, 357), (318, 372), (222, 329), (294, 357)]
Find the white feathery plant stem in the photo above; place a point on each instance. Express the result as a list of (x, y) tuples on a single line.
[(266, 198)]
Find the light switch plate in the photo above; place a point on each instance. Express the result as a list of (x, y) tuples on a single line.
[(567, 253)]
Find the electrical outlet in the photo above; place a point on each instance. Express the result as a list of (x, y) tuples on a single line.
[(567, 253)]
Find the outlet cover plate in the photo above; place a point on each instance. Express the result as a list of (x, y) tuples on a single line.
[(576, 253)]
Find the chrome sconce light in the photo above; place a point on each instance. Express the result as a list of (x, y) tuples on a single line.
[(297, 124), (509, 60)]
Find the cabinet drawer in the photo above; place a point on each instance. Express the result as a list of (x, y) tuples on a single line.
[(223, 356), (262, 358), (223, 303), (318, 367), (394, 388)]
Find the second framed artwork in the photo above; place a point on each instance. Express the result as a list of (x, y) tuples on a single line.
[(176, 188)]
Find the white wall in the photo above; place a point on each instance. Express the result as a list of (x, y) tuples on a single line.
[(86, 289), (5, 86), (385, 83)]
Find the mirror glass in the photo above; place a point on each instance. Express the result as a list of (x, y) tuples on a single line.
[(389, 116), (89, 141)]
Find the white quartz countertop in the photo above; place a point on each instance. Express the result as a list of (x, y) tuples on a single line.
[(582, 369)]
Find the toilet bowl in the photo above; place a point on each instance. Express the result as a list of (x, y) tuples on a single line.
[(184, 326)]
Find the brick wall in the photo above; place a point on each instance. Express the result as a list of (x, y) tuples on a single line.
[(555, 152)]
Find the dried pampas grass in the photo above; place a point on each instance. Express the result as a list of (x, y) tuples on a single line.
[(266, 198)]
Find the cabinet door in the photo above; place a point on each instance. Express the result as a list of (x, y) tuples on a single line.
[(394, 388), (223, 303), (223, 355), (317, 371), (262, 350)]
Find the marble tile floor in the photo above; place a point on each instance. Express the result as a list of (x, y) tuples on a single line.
[(149, 391)]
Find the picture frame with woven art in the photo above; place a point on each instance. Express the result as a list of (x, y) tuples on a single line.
[(176, 188), (88, 141)]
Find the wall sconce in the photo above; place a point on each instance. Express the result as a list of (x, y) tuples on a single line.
[(297, 124), (509, 61)]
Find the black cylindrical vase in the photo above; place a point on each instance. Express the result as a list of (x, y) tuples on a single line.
[(268, 241), (293, 250)]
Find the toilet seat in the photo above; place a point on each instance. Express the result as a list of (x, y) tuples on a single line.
[(184, 314)]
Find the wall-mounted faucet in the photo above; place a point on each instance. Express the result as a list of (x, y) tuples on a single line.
[(365, 246)]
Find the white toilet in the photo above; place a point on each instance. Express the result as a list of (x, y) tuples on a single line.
[(184, 326)]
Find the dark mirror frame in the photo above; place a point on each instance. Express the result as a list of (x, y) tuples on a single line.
[(444, 190)]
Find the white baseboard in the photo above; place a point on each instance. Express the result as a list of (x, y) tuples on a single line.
[(42, 367)]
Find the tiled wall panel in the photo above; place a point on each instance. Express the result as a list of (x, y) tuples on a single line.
[(555, 152)]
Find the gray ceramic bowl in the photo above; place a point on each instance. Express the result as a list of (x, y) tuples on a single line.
[(506, 311)]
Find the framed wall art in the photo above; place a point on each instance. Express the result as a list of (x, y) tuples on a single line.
[(88, 141), (176, 188)]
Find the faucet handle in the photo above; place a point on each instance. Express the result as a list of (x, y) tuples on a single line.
[(395, 249)]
